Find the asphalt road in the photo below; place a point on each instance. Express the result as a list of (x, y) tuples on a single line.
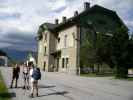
[(60, 86)]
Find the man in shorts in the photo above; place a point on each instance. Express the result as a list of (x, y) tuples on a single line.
[(15, 75)]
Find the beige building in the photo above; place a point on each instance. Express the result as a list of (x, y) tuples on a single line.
[(59, 51), (59, 43)]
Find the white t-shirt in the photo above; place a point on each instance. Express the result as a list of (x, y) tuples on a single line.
[(31, 72), (25, 69)]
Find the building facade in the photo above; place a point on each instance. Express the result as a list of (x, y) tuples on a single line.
[(59, 43)]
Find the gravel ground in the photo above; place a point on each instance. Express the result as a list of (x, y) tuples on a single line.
[(60, 86)]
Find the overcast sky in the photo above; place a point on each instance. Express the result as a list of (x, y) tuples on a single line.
[(20, 19)]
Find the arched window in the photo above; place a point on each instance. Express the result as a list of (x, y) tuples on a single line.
[(65, 41), (45, 50), (45, 37)]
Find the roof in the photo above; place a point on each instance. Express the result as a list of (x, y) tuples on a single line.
[(50, 25), (44, 26), (73, 20)]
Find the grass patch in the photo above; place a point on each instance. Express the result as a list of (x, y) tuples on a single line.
[(130, 79), (95, 75), (89, 75), (126, 79), (4, 95)]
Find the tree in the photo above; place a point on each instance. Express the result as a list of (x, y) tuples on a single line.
[(119, 52), (114, 51), (103, 51), (87, 50)]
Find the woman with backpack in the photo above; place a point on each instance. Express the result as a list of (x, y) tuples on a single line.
[(35, 75)]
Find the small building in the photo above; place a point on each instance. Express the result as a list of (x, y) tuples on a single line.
[(3, 59), (59, 43), (31, 58)]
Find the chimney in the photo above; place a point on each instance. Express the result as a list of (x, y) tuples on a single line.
[(86, 5), (56, 21), (64, 19), (76, 13)]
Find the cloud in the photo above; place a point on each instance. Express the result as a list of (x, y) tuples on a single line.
[(20, 19), (17, 40), (59, 9), (7, 16)]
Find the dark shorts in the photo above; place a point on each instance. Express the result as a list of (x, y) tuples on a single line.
[(15, 76), (26, 76)]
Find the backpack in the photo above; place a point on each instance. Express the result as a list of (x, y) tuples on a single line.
[(36, 74)]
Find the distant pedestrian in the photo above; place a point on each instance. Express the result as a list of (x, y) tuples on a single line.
[(26, 70), (15, 75), (35, 75)]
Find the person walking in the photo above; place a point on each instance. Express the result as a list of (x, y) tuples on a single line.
[(26, 70), (15, 75), (35, 75)]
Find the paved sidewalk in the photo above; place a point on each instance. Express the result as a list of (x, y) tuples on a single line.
[(59, 86)]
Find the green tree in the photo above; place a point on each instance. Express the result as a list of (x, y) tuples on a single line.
[(119, 52), (114, 51), (103, 51), (88, 51)]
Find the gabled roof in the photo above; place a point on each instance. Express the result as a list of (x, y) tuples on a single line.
[(75, 19), (44, 26), (49, 25)]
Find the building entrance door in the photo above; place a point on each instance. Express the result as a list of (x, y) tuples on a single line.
[(44, 66), (57, 65)]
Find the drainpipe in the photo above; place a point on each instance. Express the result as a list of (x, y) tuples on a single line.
[(78, 50)]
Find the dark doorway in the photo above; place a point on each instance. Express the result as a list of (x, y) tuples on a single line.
[(44, 66), (57, 66)]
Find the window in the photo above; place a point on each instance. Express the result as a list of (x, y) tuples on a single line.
[(44, 66), (63, 62), (67, 62), (45, 50), (58, 39), (45, 37), (65, 41), (74, 38)]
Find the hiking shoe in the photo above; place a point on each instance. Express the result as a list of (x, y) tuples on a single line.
[(10, 86), (37, 94), (23, 87), (31, 95), (16, 86)]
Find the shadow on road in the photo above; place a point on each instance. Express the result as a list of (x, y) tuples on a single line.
[(46, 86), (40, 86), (7, 95), (55, 93), (15, 87)]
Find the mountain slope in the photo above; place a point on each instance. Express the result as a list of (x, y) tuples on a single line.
[(16, 54)]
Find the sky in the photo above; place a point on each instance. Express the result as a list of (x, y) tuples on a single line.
[(20, 19)]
